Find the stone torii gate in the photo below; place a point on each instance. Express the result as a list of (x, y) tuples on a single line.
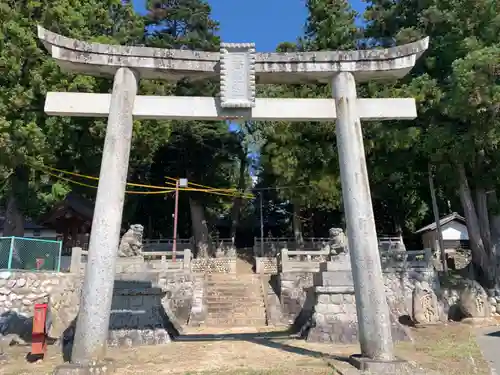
[(240, 68)]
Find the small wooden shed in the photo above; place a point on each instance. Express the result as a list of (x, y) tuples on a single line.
[(454, 229), (72, 217)]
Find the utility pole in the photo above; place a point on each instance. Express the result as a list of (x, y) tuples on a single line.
[(261, 228), (437, 220), (178, 183)]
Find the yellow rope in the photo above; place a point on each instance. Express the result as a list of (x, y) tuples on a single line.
[(163, 189), (97, 178), (213, 190), (95, 187), (203, 186)]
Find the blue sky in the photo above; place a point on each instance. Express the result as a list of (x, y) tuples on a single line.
[(264, 22)]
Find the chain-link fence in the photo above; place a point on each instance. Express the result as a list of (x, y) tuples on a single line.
[(17, 253)]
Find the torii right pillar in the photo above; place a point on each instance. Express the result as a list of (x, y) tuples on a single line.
[(374, 321)]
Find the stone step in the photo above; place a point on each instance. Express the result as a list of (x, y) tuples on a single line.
[(236, 323), (232, 282), (235, 303), (232, 276), (232, 286), (238, 278), (242, 300), (235, 298), (241, 295), (212, 317), (234, 291), (235, 309), (234, 295)]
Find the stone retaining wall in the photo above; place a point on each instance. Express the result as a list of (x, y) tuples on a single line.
[(266, 265), (296, 297), (399, 286), (296, 294), (213, 265), (20, 291), (146, 305)]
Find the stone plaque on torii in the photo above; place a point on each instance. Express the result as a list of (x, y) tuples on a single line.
[(239, 69)]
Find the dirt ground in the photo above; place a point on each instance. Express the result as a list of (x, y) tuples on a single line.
[(449, 349)]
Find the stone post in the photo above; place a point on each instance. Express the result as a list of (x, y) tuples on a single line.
[(371, 305), (95, 304), (284, 260), (76, 260), (187, 260)]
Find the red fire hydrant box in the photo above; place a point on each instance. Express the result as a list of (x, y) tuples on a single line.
[(40, 327)]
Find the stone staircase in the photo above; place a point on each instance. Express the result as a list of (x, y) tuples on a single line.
[(234, 300)]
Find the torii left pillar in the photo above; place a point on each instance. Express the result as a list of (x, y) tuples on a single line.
[(89, 346)]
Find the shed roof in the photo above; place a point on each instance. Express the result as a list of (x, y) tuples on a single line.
[(82, 207), (443, 221)]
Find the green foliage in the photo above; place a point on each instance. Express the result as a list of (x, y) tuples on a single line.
[(304, 154), (455, 84)]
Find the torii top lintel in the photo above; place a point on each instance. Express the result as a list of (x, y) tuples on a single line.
[(237, 64), (291, 67)]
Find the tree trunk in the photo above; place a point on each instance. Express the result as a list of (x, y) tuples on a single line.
[(14, 218), (494, 220), (297, 225), (200, 228), (480, 258), (495, 232), (237, 203), (483, 218)]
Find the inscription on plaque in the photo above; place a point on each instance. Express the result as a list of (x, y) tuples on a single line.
[(237, 75)]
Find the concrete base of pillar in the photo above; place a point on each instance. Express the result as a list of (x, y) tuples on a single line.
[(102, 368), (397, 366)]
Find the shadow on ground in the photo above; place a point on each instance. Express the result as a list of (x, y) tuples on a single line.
[(268, 339), (493, 334)]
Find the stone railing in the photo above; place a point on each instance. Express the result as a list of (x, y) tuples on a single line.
[(271, 247), (406, 259), (309, 261), (167, 244), (302, 260), (160, 261), (151, 260)]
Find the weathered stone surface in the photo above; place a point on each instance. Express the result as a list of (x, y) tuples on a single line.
[(333, 278), (179, 296), (339, 240), (335, 315), (273, 305), (214, 265), (106, 367), (198, 312), (146, 305), (297, 297), (237, 70), (474, 301), (425, 304), (266, 265), (131, 242), (399, 285), (153, 63)]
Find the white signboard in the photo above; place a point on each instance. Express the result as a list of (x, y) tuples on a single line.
[(237, 75)]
